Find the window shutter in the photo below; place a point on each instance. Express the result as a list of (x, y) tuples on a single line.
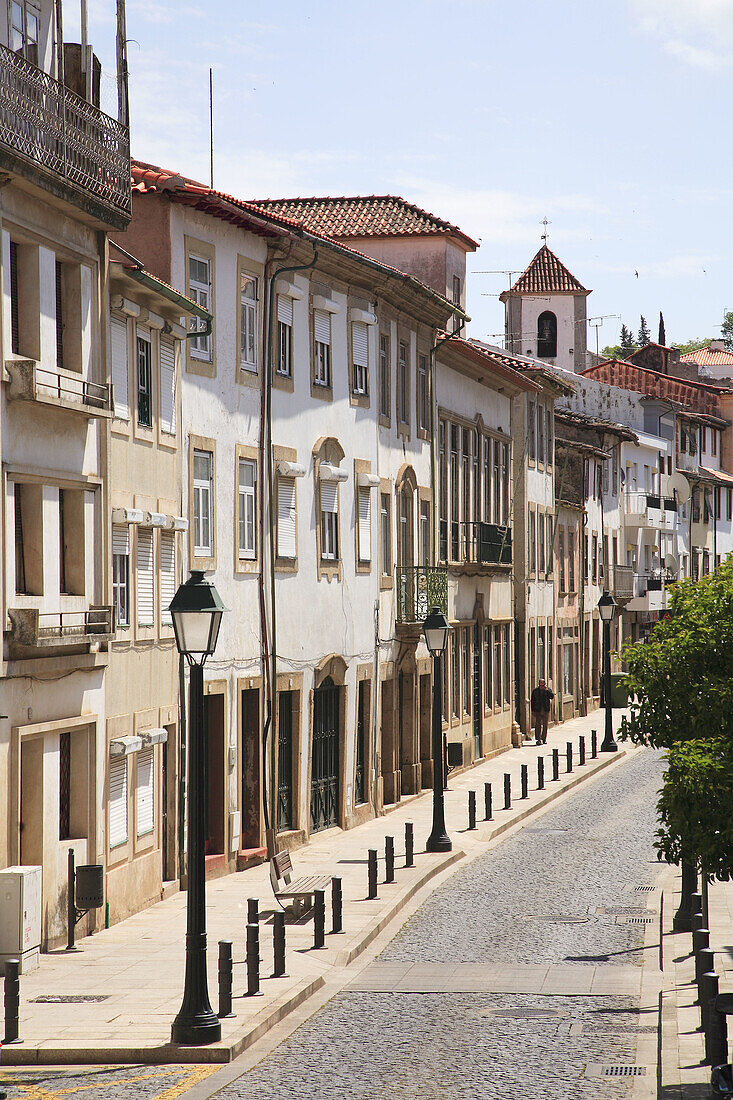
[(322, 326), (167, 573), (118, 343), (144, 792), (365, 524), (285, 309), (286, 518), (168, 386), (329, 496), (360, 338), (145, 608), (120, 539), (117, 801)]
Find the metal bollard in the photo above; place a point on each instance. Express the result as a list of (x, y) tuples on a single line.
[(704, 963), (689, 886), (253, 911), (278, 945), (253, 960), (525, 781), (708, 993), (569, 755), (698, 921), (372, 874), (409, 844), (12, 1001), (695, 903), (389, 859), (581, 751), (471, 810), (70, 902), (716, 1035), (225, 978), (337, 906), (507, 791), (540, 773), (319, 918), (700, 940), (488, 809), (593, 744), (555, 763)]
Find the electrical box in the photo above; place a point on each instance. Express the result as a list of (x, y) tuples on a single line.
[(20, 915)]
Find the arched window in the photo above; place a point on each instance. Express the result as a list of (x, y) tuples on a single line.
[(546, 335)]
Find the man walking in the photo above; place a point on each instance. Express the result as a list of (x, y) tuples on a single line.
[(540, 702)]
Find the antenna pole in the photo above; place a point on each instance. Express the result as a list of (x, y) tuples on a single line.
[(211, 123)]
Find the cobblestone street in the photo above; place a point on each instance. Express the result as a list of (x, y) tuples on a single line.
[(507, 908)]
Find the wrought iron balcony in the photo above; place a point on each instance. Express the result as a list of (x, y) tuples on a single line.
[(420, 587), (29, 382), (51, 135), (34, 629)]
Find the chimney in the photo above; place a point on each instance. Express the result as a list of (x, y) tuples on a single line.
[(717, 345)]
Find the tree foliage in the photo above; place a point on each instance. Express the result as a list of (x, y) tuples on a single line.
[(681, 685), (644, 337), (625, 346), (726, 330), (691, 345)]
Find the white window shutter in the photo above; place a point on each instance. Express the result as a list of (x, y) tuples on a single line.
[(286, 518), (167, 386), (365, 524), (118, 346), (144, 792), (144, 578), (322, 326), (167, 573), (117, 801), (285, 309), (329, 496), (360, 339), (120, 539)]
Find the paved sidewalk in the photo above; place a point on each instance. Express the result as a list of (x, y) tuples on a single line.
[(684, 1074), (126, 983)]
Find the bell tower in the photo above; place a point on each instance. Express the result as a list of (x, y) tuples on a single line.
[(546, 315)]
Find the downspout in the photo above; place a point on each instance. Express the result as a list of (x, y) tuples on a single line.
[(271, 666)]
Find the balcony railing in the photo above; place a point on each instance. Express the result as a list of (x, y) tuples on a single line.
[(655, 581), (48, 125), (29, 382), (43, 629), (622, 581), (420, 587), (652, 510), (476, 543)]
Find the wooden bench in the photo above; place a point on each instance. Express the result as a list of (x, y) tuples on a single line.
[(300, 891)]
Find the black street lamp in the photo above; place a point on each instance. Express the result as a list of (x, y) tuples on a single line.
[(607, 610), (196, 610), (436, 630)]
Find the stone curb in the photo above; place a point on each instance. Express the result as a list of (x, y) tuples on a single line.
[(167, 1054)]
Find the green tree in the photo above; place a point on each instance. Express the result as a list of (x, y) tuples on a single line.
[(691, 345), (726, 330), (645, 335), (628, 344), (662, 337), (681, 684)]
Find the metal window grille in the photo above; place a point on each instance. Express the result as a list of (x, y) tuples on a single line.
[(144, 407), (285, 761)]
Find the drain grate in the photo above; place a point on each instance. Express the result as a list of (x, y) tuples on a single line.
[(623, 1071), (70, 998), (634, 920), (622, 911), (644, 889)]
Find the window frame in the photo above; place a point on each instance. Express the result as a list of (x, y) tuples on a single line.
[(198, 487), (423, 394), (248, 315), (284, 346), (203, 294), (359, 371), (322, 354), (385, 377), (246, 509), (403, 384), (143, 368)]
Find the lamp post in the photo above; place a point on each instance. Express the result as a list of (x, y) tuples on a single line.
[(607, 610), (436, 630), (196, 610)]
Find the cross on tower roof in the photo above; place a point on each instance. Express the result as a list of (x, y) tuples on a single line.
[(545, 223)]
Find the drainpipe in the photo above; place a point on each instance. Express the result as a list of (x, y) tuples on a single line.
[(266, 440)]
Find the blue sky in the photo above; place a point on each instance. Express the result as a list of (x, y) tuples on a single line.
[(607, 117)]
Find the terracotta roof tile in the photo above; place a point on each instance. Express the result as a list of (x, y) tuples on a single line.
[(364, 216), (698, 396), (546, 274), (708, 357)]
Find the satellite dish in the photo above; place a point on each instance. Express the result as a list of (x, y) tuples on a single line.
[(670, 562), (680, 486)]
